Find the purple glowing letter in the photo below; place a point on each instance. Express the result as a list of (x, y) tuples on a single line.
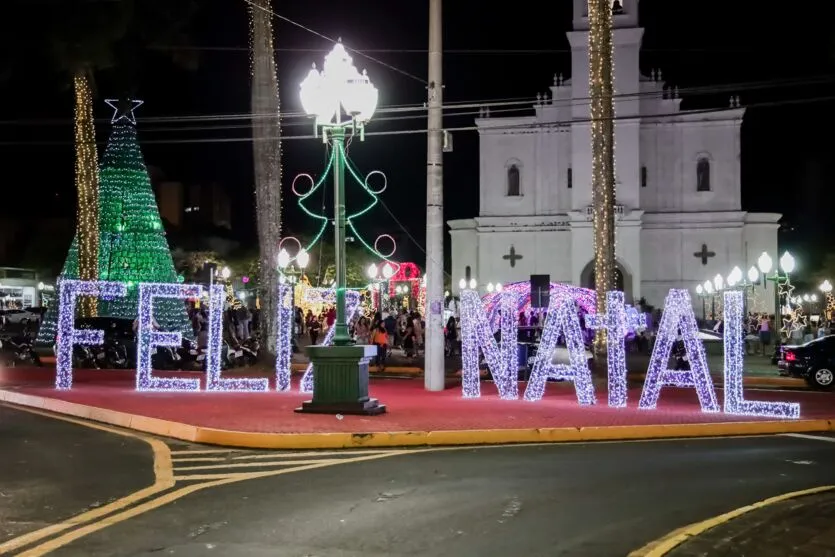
[(735, 402), (562, 320), (678, 316)]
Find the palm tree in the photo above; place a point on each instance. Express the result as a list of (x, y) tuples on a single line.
[(603, 162), (266, 136)]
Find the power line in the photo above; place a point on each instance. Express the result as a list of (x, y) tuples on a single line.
[(535, 125), (524, 103), (320, 35)]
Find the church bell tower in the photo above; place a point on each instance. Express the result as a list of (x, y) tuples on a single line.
[(626, 42)]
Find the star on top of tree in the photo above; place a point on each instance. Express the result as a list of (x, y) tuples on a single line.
[(123, 109)]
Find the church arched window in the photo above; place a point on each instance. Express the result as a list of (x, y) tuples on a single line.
[(703, 174), (514, 182)]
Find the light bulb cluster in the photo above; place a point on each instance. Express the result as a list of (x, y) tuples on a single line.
[(501, 357), (601, 84), (678, 316), (734, 342), (352, 303), (284, 340), (68, 335), (148, 338), (615, 323), (87, 187), (562, 320)]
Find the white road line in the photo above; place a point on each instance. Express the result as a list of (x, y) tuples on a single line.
[(812, 437), (205, 451), (259, 464)]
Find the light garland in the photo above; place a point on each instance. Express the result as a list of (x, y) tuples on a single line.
[(501, 358), (214, 381), (734, 342), (615, 323), (147, 338), (284, 340), (267, 155), (602, 110), (678, 315), (68, 335), (352, 303), (561, 320), (87, 187)]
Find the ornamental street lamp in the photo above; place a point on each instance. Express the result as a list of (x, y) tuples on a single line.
[(826, 288), (787, 266), (287, 269), (380, 276), (700, 291), (341, 100)]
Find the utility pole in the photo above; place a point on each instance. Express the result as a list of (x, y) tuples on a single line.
[(434, 335)]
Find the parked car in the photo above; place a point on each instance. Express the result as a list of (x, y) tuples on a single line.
[(813, 361), (20, 316)]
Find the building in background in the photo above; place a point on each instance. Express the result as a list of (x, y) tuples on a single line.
[(19, 288), (679, 214)]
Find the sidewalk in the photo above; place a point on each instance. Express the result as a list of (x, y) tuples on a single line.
[(415, 417), (800, 527)]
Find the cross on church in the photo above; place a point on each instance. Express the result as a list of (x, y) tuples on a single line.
[(512, 256), (704, 254)]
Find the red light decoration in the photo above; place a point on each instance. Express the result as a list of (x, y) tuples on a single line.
[(407, 272)]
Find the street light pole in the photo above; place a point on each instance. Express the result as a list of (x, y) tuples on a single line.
[(434, 335), (341, 336)]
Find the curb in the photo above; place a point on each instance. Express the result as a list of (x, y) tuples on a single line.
[(343, 440), (749, 381)]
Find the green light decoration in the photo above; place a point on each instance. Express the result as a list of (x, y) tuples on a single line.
[(132, 245), (338, 158)]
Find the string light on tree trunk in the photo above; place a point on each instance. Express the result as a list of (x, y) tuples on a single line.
[(267, 155), (87, 187), (602, 145), (284, 342)]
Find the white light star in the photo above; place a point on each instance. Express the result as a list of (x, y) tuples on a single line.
[(123, 109)]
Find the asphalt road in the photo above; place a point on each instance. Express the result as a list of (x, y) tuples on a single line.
[(51, 470), (585, 500)]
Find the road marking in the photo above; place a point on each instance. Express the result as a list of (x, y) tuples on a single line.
[(664, 545), (163, 480), (172, 496), (259, 464), (205, 451), (812, 437), (269, 455)]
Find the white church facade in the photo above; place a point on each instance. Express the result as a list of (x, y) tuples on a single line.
[(679, 214)]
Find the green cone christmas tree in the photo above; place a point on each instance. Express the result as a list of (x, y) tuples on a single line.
[(133, 246)]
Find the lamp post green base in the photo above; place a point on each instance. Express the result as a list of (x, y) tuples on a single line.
[(340, 381)]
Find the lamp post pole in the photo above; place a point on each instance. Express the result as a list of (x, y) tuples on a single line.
[(341, 336), (340, 371)]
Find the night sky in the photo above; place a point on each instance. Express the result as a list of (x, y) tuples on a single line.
[(780, 59)]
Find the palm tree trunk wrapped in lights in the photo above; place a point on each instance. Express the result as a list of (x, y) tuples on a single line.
[(601, 89), (266, 135), (87, 186)]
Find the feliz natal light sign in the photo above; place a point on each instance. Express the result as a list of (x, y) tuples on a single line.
[(562, 320), (501, 357), (148, 338)]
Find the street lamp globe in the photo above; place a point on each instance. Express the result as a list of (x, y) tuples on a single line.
[(372, 271), (708, 287), (388, 271), (826, 286), (462, 284), (303, 258), (736, 273), (753, 274), (490, 287), (283, 258), (764, 263), (730, 281), (787, 263), (718, 282), (225, 273), (499, 287), (699, 289), (805, 297), (813, 297), (317, 99), (473, 284)]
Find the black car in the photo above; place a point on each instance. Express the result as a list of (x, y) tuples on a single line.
[(813, 361)]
